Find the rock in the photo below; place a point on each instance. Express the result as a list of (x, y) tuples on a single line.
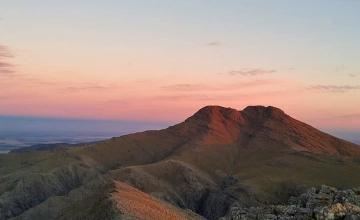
[(327, 189), (269, 217), (324, 203), (356, 190), (352, 217)]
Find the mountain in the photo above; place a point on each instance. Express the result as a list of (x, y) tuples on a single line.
[(197, 169)]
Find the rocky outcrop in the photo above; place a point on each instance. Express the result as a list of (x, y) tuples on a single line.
[(322, 203)]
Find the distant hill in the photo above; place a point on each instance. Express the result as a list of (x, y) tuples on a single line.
[(43, 147), (196, 169)]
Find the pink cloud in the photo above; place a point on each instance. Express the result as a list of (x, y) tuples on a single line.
[(250, 72), (335, 88)]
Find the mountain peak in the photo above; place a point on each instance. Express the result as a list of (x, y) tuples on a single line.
[(259, 111), (213, 109), (223, 125), (215, 113)]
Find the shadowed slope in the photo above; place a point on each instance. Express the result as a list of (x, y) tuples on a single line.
[(297, 135)]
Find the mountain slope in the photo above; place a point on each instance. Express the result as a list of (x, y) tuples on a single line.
[(216, 158)]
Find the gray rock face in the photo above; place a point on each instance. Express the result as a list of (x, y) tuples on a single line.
[(323, 203), (230, 192)]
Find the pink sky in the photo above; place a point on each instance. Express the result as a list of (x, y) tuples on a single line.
[(94, 62), (161, 96)]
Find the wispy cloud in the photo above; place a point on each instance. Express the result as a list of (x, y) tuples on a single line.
[(250, 72), (189, 87), (352, 75), (218, 97), (88, 87), (256, 83), (214, 44), (181, 97), (349, 116), (6, 67), (335, 88), (186, 87), (3, 97), (4, 52)]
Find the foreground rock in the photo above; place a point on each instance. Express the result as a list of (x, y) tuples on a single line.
[(322, 203)]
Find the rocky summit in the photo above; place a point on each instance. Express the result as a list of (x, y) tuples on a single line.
[(220, 163)]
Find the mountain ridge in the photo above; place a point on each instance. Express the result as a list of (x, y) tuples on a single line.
[(221, 119), (216, 158)]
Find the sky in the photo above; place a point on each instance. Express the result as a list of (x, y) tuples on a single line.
[(161, 60)]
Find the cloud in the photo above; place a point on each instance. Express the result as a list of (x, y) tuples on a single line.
[(335, 88), (4, 51), (188, 87), (87, 87), (6, 67), (256, 83), (3, 97), (352, 75), (349, 116), (250, 72), (181, 97), (219, 96), (214, 44)]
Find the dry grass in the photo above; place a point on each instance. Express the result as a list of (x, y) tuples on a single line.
[(137, 204)]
